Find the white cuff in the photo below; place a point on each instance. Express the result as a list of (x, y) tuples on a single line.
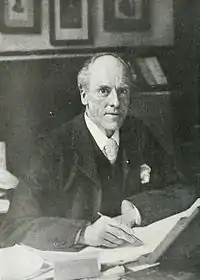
[(138, 219), (130, 211)]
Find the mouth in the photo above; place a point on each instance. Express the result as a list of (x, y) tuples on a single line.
[(112, 117), (115, 114)]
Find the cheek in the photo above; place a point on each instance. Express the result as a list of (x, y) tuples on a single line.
[(97, 107), (101, 108), (125, 101), (92, 102)]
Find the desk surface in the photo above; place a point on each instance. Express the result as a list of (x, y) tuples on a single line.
[(176, 270), (157, 274)]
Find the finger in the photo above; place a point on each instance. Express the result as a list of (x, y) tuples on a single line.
[(132, 239), (108, 244), (121, 231), (121, 225), (126, 234), (115, 231), (112, 238)]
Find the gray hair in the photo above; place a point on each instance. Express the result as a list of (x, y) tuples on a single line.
[(84, 72)]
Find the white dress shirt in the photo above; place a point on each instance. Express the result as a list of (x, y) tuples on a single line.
[(98, 135)]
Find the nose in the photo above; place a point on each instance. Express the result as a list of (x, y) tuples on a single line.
[(114, 99)]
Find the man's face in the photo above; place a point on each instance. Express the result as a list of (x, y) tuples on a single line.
[(108, 95)]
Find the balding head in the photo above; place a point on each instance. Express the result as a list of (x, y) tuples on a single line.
[(83, 78), (105, 85)]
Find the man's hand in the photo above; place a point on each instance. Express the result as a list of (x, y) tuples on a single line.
[(109, 233)]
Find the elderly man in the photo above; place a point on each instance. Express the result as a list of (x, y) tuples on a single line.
[(92, 164)]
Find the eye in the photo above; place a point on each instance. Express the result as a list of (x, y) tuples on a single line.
[(104, 91), (123, 91)]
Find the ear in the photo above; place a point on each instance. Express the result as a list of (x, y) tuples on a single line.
[(83, 94)]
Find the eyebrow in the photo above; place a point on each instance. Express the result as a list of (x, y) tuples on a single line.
[(120, 85), (103, 86), (124, 85)]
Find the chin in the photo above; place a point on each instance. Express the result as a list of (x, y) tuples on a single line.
[(112, 126)]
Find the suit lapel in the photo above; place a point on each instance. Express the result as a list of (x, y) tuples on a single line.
[(125, 165), (83, 146), (131, 157)]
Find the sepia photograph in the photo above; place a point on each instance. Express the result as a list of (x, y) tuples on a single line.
[(99, 140)]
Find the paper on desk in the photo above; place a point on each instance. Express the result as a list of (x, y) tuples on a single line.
[(19, 263), (151, 236)]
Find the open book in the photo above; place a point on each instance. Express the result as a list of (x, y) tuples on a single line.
[(156, 238)]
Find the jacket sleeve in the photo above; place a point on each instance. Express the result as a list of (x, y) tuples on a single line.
[(26, 221), (155, 204)]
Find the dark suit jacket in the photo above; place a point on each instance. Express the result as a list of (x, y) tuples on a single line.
[(61, 190)]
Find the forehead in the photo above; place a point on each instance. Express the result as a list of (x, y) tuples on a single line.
[(108, 70)]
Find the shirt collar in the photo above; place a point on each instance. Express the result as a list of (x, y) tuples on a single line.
[(98, 135)]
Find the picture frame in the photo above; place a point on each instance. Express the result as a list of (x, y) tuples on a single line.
[(126, 15), (70, 22), (20, 16)]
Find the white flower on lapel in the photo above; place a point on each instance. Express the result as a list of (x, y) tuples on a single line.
[(145, 172)]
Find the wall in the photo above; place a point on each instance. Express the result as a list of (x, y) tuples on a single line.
[(184, 71), (39, 92), (161, 32), (32, 95)]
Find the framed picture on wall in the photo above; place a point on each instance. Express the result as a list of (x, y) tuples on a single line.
[(70, 22), (126, 15), (20, 16)]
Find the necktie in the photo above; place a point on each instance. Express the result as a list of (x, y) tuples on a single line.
[(111, 150)]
